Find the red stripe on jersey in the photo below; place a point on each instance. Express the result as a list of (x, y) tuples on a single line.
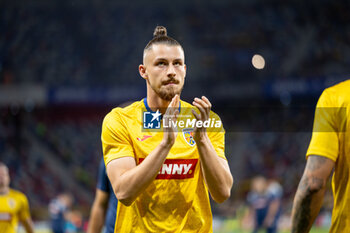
[(176, 169)]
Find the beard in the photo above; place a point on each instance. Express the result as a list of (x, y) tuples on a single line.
[(167, 93)]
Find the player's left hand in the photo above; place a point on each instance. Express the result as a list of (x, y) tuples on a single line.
[(204, 107)]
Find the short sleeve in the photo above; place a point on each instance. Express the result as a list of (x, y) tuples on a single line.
[(115, 138), (24, 212), (102, 180), (217, 136), (324, 140)]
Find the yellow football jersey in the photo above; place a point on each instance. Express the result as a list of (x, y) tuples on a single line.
[(177, 200), (331, 139), (13, 208)]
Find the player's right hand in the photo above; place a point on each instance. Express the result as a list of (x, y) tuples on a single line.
[(169, 120)]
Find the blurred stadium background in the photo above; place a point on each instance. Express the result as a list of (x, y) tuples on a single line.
[(65, 64)]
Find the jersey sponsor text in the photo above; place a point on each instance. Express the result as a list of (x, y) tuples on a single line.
[(177, 169)]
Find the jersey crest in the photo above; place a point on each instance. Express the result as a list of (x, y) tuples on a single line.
[(188, 136), (11, 203)]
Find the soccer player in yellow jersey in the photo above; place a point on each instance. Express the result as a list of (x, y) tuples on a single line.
[(13, 206), (162, 178), (329, 150)]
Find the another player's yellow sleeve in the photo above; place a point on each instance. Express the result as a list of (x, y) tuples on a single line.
[(325, 141), (217, 136), (115, 138), (24, 212)]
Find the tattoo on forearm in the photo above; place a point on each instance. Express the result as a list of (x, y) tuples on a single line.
[(316, 162), (307, 188), (302, 216)]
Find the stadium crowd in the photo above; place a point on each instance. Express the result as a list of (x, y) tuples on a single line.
[(92, 44)]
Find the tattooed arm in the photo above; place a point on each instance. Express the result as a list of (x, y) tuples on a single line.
[(309, 196)]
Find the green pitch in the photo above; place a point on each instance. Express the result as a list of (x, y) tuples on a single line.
[(233, 226), (237, 230)]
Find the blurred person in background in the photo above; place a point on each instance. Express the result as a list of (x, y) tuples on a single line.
[(264, 200), (104, 208), (161, 179), (14, 206), (59, 209), (329, 150), (275, 190), (74, 223)]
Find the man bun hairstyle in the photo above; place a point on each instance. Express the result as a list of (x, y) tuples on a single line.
[(160, 31), (160, 36)]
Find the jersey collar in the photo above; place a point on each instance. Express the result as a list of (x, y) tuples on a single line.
[(149, 109)]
